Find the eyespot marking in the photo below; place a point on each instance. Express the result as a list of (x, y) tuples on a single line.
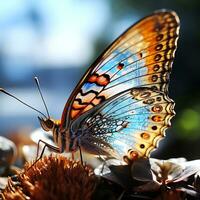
[(158, 47), (156, 68), (157, 57), (156, 118), (154, 78), (159, 37), (157, 108), (134, 155), (154, 128), (158, 98), (120, 66), (145, 136), (149, 101), (142, 146)]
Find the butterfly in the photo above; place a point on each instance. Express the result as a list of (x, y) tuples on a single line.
[(120, 108)]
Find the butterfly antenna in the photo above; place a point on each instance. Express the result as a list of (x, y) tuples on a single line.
[(39, 89), (7, 93)]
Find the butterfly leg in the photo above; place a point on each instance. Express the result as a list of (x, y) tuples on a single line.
[(53, 148), (72, 155), (103, 161), (81, 156)]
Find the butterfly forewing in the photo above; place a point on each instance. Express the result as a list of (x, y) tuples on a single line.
[(131, 123), (142, 56)]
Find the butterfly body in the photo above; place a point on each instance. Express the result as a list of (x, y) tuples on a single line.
[(121, 106)]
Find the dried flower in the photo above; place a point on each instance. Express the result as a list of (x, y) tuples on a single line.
[(52, 178)]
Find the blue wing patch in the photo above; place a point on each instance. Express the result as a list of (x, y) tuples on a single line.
[(131, 123)]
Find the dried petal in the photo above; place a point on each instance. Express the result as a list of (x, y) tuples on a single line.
[(53, 178)]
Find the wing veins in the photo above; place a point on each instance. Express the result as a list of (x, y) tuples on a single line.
[(134, 54), (146, 106), (113, 116), (137, 59), (134, 70), (133, 79), (127, 105), (115, 46)]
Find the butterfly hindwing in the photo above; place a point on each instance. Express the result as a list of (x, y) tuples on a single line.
[(140, 57), (130, 123)]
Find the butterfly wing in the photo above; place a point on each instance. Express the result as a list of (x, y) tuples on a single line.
[(141, 56), (130, 123)]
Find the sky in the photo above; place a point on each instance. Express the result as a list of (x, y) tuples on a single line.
[(47, 33)]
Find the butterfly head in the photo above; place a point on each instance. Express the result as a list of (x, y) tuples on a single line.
[(47, 124)]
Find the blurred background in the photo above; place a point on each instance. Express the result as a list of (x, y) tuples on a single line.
[(58, 40)]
